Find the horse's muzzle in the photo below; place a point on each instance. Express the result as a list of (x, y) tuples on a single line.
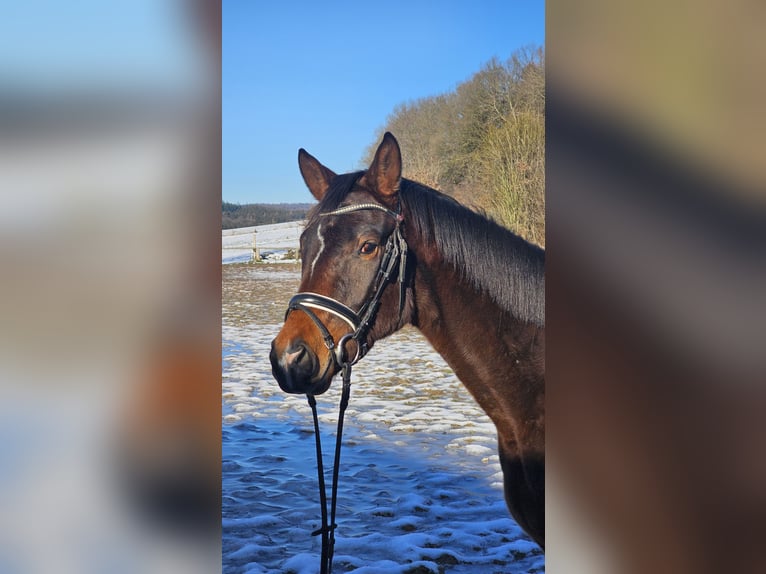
[(296, 369)]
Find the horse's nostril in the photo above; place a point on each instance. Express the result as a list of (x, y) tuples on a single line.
[(300, 360), (295, 354), (294, 367)]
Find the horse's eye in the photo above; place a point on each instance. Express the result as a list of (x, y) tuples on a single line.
[(368, 248)]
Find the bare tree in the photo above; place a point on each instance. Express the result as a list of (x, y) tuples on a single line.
[(484, 142)]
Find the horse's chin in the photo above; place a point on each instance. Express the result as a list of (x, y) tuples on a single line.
[(320, 387), (309, 387)]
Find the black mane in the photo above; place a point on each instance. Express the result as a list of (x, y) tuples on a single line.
[(489, 256)]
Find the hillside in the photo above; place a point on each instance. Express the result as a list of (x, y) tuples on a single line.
[(235, 215)]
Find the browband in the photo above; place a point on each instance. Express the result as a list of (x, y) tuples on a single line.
[(359, 207)]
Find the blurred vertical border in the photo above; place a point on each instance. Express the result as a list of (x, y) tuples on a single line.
[(110, 143), (656, 286)]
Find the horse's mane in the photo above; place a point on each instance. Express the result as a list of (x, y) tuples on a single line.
[(494, 260)]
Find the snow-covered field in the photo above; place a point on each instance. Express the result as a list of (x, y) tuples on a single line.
[(420, 483), (276, 239)]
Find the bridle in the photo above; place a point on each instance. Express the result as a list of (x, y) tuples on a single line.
[(394, 257), (394, 260)]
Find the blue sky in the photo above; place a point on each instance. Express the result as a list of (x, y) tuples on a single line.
[(325, 75)]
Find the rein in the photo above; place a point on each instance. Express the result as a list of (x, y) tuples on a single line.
[(394, 259)]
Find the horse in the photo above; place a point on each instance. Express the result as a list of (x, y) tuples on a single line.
[(380, 252)]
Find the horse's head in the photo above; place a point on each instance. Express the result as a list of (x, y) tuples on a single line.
[(352, 257)]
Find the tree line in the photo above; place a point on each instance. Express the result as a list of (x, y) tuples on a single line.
[(245, 215), (482, 143)]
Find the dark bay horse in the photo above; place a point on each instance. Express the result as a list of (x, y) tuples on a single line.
[(473, 288)]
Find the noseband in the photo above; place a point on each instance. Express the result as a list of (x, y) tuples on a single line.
[(394, 257)]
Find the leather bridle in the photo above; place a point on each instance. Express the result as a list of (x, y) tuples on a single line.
[(394, 260)]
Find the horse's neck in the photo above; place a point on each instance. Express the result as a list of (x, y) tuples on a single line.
[(498, 358), (456, 318)]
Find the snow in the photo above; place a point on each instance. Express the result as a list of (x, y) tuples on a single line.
[(276, 239), (420, 483)]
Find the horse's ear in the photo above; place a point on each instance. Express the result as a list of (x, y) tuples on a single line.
[(316, 176), (385, 172)]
